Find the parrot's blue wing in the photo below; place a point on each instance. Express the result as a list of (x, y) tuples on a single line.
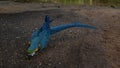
[(75, 24), (45, 36), (44, 27), (35, 34)]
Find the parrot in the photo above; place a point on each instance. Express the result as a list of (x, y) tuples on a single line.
[(41, 36)]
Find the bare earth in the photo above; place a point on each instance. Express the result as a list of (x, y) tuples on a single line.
[(71, 48)]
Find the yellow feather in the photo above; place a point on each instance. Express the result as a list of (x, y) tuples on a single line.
[(36, 49)]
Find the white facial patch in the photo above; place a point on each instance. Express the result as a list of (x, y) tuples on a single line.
[(32, 54)]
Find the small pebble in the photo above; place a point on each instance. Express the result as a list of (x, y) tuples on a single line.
[(16, 27), (17, 37), (40, 63), (49, 64), (59, 63)]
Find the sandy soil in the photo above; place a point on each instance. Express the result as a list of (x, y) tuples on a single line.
[(71, 48)]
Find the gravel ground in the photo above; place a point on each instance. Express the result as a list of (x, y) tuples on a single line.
[(71, 48)]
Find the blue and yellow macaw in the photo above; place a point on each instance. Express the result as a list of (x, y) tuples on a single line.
[(41, 36)]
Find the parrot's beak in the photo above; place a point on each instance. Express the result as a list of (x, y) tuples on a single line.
[(29, 56), (32, 54)]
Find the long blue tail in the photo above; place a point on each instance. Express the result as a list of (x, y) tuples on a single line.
[(75, 24)]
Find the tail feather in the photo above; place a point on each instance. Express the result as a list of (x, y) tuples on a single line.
[(75, 24)]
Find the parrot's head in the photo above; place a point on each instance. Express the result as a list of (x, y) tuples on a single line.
[(31, 52), (34, 46)]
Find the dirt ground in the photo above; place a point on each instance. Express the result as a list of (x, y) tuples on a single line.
[(71, 48)]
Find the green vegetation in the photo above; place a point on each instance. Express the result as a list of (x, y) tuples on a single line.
[(78, 2)]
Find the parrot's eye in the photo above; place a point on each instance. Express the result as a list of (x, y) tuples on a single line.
[(28, 43)]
